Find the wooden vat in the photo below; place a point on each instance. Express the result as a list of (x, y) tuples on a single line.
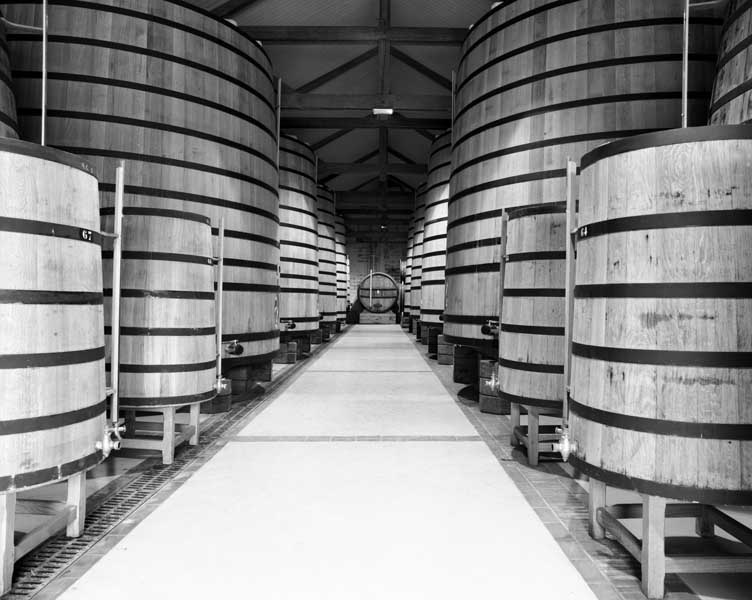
[(167, 313), (327, 257), (732, 92), (662, 334), (417, 264), (8, 120), (340, 246), (433, 284), (408, 275), (378, 293), (298, 239), (52, 375), (540, 81), (531, 329), (187, 100)]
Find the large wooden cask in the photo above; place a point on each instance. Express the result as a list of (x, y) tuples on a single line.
[(8, 120), (540, 81), (531, 329), (52, 376), (298, 239), (187, 100), (408, 273), (732, 93), (662, 335), (327, 297), (167, 315), (340, 246), (433, 284), (416, 275), (378, 293)]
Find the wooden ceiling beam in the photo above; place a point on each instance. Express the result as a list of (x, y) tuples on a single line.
[(369, 122), (357, 35), (419, 67), (349, 198), (329, 139), (401, 156), (410, 102), (366, 157), (338, 71), (353, 168)]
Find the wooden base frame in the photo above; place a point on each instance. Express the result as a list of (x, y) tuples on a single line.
[(535, 437), (69, 515), (144, 435), (653, 551)]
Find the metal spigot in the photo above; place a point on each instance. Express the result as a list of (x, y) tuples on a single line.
[(112, 438), (289, 324), (232, 347), (566, 446), (494, 382), (222, 386), (490, 328)]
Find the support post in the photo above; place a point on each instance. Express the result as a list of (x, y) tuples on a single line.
[(514, 418), (168, 436), (653, 546), (195, 422), (570, 278), (7, 542), (76, 497), (596, 500), (533, 429)]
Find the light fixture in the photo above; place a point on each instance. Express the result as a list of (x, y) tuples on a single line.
[(383, 112)]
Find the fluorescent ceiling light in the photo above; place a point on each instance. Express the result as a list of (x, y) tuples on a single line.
[(383, 111)]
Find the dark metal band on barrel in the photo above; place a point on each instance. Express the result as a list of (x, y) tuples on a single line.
[(31, 478), (50, 297), (676, 358), (528, 401), (250, 337), (541, 255), (46, 229), (549, 208), (45, 422), (654, 488), (535, 292), (470, 269), (295, 209), (45, 153), (168, 256), (532, 329), (163, 331), (711, 431), (472, 245), (143, 211), (531, 367), (184, 368), (299, 261), (50, 359), (297, 191), (172, 294), (126, 402), (665, 290)]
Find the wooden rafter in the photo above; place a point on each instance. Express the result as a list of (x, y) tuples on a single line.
[(353, 168), (401, 183), (360, 186), (357, 35), (421, 68), (440, 103), (362, 159), (329, 139), (337, 71), (401, 156), (369, 122)]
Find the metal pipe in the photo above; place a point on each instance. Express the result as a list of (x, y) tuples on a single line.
[(117, 252), (20, 26), (220, 295), (279, 118), (685, 67), (45, 23)]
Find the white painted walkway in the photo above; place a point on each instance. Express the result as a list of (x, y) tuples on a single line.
[(362, 480)]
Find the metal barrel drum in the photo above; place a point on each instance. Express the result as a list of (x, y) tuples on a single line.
[(662, 334), (187, 100), (433, 265), (531, 327), (298, 243), (52, 373), (327, 296), (167, 314), (340, 237), (8, 120), (542, 81), (378, 293), (732, 93), (416, 272)]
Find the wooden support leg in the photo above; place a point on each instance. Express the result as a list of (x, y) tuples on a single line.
[(195, 422), (596, 500), (533, 439), (130, 423), (7, 544), (77, 499), (514, 417), (704, 526), (653, 546), (168, 436)]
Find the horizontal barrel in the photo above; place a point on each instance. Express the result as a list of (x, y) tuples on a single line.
[(187, 100), (662, 334), (732, 93), (433, 284), (340, 236), (541, 81), (8, 119), (327, 256), (378, 293), (167, 312), (416, 274), (52, 374), (531, 327), (298, 233)]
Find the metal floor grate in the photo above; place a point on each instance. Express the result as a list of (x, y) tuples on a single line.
[(52, 558)]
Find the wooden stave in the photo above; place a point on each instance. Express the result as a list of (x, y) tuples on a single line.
[(327, 295), (433, 262), (38, 442), (167, 344), (8, 118), (466, 315), (340, 234), (384, 283), (627, 431), (408, 272), (416, 275), (298, 299), (531, 368), (245, 194), (732, 91)]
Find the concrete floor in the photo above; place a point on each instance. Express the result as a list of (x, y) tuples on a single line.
[(362, 479)]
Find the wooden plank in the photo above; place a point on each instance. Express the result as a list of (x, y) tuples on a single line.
[(294, 100), (730, 525), (356, 35), (596, 501), (363, 123), (44, 531), (673, 511), (7, 546), (329, 139), (39, 507), (418, 66), (76, 500), (325, 168), (348, 198), (625, 537), (708, 564), (653, 555), (338, 71)]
